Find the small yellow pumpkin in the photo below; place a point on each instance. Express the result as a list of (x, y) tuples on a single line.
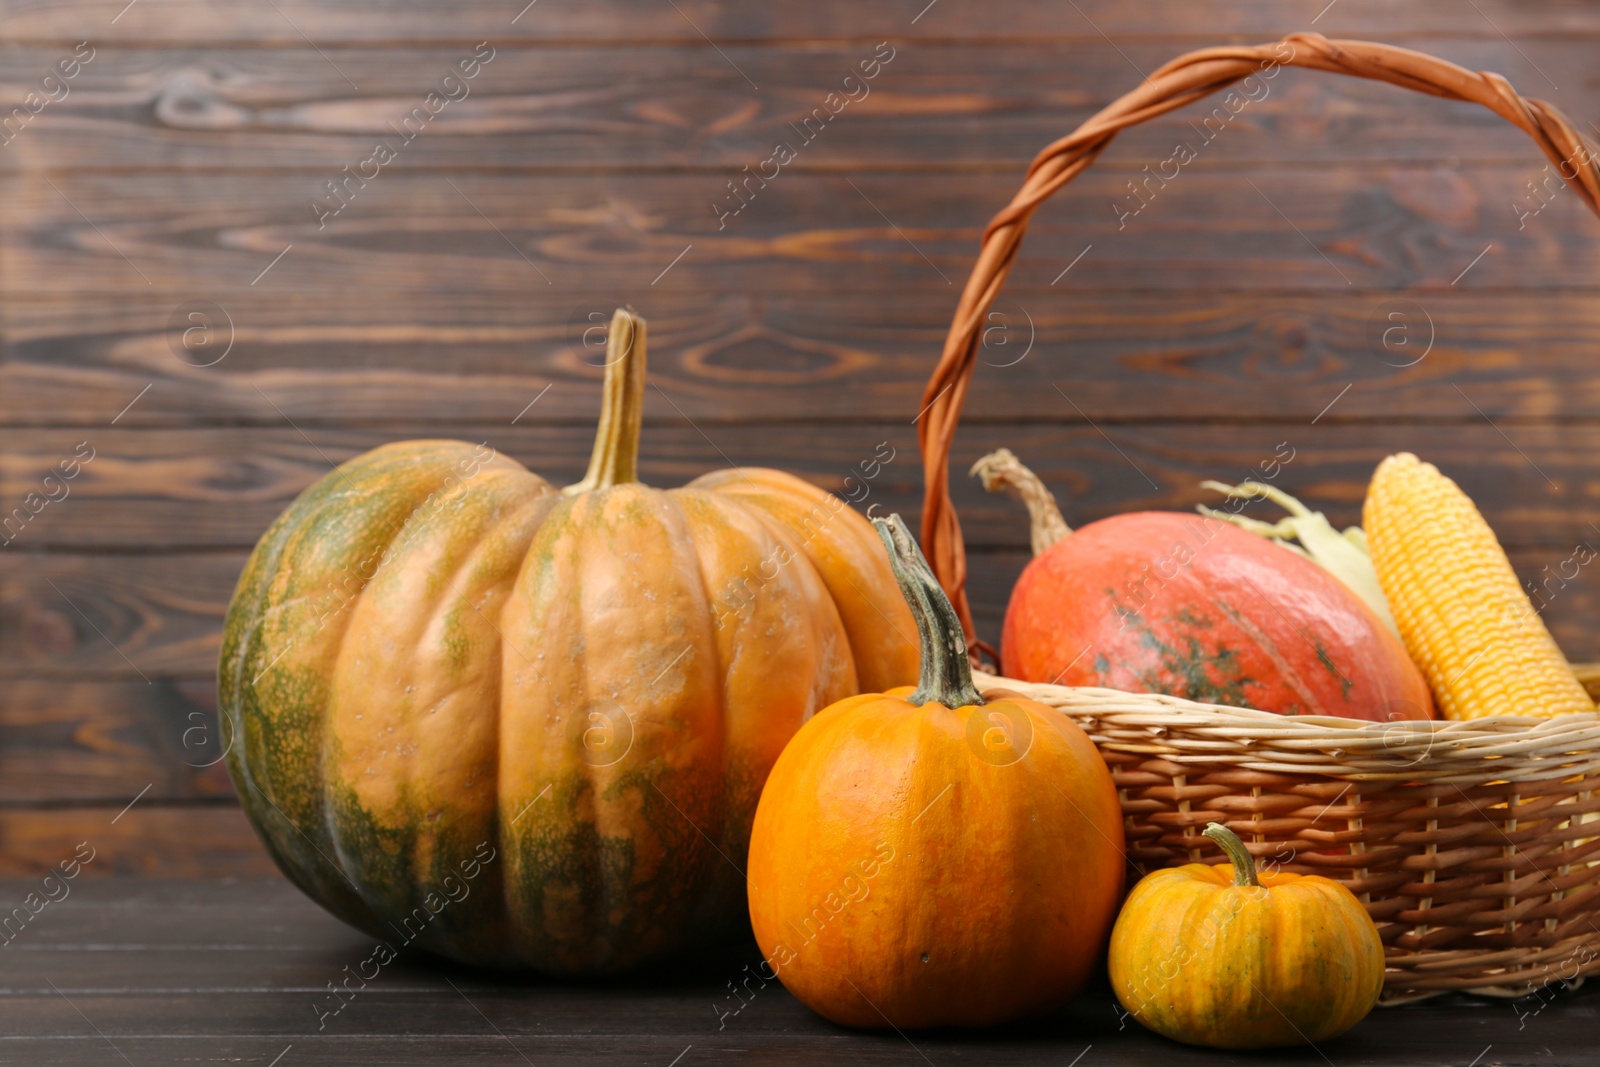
[(1232, 958)]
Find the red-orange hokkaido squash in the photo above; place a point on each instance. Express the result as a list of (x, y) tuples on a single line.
[(1163, 602)]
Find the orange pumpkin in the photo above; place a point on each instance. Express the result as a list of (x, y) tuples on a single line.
[(939, 856), (1232, 958), (523, 726)]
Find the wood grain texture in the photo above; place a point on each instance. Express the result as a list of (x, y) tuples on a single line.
[(128, 728), (151, 615), (292, 22), (207, 236), (565, 108), (257, 913), (148, 840), (345, 359), (220, 487), (238, 970), (83, 742), (99, 733)]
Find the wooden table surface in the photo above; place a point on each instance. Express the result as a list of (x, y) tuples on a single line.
[(149, 972)]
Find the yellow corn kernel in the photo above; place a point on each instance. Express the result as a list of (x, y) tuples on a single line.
[(1461, 611)]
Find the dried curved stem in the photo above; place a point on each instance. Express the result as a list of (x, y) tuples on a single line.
[(1003, 472)]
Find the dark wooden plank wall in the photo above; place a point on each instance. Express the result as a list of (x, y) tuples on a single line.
[(450, 291)]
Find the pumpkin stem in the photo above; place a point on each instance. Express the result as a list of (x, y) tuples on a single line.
[(1003, 472), (1244, 864), (615, 460), (946, 669)]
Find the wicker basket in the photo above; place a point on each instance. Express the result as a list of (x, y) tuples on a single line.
[(1469, 842)]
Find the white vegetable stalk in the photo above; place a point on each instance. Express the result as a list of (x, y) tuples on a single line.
[(1343, 555)]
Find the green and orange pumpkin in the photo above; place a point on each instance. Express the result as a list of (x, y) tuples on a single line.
[(1234, 957), (524, 726)]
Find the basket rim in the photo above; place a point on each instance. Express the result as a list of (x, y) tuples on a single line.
[(1489, 748)]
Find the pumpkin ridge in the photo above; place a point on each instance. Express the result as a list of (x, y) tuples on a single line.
[(802, 552), (543, 862), (680, 873), (347, 511), (600, 860), (720, 840), (612, 856), (461, 552), (844, 550), (804, 673)]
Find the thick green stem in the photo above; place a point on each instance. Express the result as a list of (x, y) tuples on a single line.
[(1244, 864), (946, 670), (615, 459)]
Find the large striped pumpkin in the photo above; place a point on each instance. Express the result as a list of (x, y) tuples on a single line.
[(524, 726)]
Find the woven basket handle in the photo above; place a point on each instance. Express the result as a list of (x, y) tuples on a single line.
[(1183, 81)]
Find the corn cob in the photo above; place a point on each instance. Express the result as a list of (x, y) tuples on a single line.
[(1462, 613)]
